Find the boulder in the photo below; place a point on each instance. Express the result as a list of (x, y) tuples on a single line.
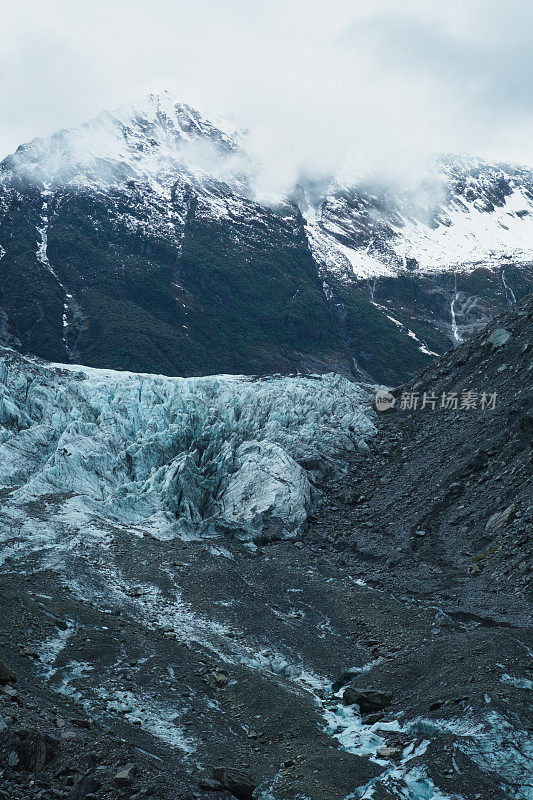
[(6, 674), (125, 775), (239, 784), (525, 425), (368, 700), (35, 750), (216, 679), (499, 337), (343, 679), (500, 519), (371, 719), (81, 722), (388, 752), (86, 785), (209, 785)]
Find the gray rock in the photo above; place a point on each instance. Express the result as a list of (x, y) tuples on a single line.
[(499, 337), (388, 752), (84, 787), (216, 679), (125, 775), (343, 679), (525, 424), (239, 784), (210, 785), (81, 722), (371, 719), (368, 700), (36, 750), (500, 519), (6, 674)]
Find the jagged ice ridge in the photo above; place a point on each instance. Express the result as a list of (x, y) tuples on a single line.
[(176, 455)]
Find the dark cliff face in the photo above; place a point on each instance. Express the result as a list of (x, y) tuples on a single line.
[(239, 294), (231, 295), (478, 296)]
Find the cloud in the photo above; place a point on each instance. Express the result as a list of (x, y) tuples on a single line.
[(365, 85)]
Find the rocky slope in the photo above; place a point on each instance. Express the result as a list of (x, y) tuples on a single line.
[(138, 242), (381, 652), (454, 453)]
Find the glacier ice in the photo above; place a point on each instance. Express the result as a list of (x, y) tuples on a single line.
[(232, 454)]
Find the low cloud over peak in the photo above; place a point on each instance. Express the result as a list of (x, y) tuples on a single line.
[(358, 86)]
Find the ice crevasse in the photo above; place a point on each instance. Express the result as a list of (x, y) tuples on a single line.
[(191, 456)]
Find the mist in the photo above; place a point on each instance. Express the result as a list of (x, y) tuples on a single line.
[(355, 88)]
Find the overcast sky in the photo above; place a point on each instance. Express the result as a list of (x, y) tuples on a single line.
[(317, 82)]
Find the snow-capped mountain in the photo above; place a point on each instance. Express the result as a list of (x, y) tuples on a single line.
[(467, 214), (150, 142), (138, 241)]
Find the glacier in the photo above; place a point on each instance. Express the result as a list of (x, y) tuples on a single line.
[(113, 487), (219, 455)]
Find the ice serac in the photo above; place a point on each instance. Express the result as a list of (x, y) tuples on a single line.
[(175, 456), (269, 491)]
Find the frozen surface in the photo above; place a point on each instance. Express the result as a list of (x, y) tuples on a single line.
[(191, 456)]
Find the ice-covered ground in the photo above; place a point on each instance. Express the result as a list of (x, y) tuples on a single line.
[(191, 456), (93, 460)]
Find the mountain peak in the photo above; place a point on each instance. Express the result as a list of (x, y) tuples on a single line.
[(138, 141)]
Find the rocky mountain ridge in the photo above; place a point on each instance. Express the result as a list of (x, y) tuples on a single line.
[(138, 242)]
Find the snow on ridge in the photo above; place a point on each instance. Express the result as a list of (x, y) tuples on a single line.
[(181, 456), (155, 141), (472, 237), (465, 213)]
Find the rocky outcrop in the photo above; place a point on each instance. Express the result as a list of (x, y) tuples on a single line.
[(237, 783), (35, 750), (368, 700), (7, 675)]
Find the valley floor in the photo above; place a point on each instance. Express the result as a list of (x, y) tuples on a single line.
[(214, 667)]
